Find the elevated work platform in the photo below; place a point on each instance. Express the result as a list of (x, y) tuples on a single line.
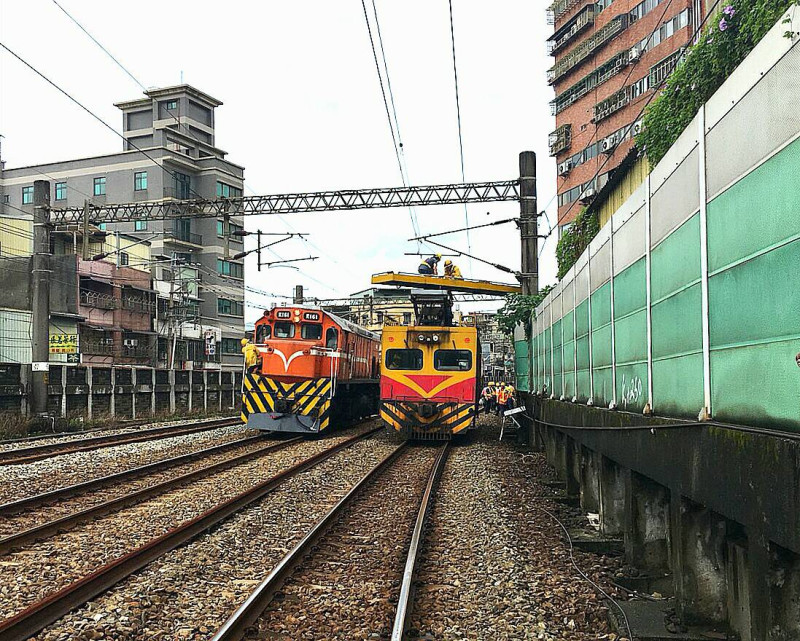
[(423, 281)]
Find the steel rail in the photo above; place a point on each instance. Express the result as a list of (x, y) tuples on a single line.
[(69, 521), (39, 615), (41, 452), (60, 494), (405, 600), (249, 612)]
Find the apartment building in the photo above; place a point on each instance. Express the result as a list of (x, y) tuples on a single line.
[(611, 56), (169, 152)]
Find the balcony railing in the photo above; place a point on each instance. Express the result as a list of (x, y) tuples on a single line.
[(586, 48), (89, 298), (579, 23), (176, 233), (140, 305), (97, 348), (594, 79), (560, 140), (559, 8), (610, 105)]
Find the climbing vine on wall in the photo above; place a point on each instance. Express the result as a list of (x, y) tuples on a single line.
[(726, 40), (575, 240)]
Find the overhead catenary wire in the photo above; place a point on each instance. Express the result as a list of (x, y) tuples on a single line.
[(92, 114), (414, 225), (458, 116)]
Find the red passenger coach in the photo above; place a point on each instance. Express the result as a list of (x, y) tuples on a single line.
[(312, 366)]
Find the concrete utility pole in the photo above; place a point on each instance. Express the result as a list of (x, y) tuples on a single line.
[(40, 298), (528, 223), (298, 294)]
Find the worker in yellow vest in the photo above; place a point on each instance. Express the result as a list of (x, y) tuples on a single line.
[(250, 354), (502, 399)]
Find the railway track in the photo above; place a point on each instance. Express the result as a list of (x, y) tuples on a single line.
[(381, 522), (27, 527), (39, 452), (45, 611)]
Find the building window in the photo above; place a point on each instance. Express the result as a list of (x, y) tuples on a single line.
[(100, 186), (231, 346), (406, 318), (183, 185), (124, 259), (61, 191), (227, 268), (380, 318), (27, 195), (234, 230), (224, 190), (101, 226), (230, 307), (140, 225), (171, 105), (140, 181), (220, 228)]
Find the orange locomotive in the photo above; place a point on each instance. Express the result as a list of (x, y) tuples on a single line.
[(312, 367)]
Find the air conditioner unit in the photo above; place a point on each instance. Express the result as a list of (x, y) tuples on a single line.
[(607, 144), (633, 54), (637, 127), (564, 168), (589, 193), (130, 342)]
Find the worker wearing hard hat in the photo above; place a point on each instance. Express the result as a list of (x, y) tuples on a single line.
[(430, 265), (486, 398), (250, 354), (452, 270)]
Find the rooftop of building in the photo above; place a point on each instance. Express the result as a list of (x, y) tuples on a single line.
[(157, 93)]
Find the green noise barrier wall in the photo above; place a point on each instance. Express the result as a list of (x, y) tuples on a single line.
[(688, 300)]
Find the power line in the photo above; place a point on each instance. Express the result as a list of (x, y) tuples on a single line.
[(458, 117), (92, 114), (404, 165), (107, 52), (414, 226)]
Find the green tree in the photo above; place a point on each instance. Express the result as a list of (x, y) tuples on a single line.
[(519, 309)]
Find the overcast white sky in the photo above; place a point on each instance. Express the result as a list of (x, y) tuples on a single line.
[(303, 110)]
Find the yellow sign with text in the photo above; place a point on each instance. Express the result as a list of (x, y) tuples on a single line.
[(63, 343)]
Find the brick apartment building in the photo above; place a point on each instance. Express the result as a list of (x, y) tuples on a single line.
[(610, 56)]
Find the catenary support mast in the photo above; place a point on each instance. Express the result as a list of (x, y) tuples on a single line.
[(40, 297), (528, 223)]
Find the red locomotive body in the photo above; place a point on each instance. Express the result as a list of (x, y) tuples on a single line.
[(312, 366)]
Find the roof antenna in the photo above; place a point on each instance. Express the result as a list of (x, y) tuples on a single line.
[(181, 76)]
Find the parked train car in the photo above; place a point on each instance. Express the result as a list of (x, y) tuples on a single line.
[(313, 369), (430, 379)]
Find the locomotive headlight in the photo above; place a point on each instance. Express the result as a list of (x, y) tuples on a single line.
[(436, 338), (422, 338)]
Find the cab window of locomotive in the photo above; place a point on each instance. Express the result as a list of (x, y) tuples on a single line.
[(310, 331), (452, 360), (332, 338), (263, 333), (284, 329), (404, 359)]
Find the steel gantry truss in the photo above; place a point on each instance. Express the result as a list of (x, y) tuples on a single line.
[(338, 200)]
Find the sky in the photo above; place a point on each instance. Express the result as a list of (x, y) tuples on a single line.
[(303, 111)]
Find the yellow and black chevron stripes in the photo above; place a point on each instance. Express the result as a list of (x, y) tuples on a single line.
[(304, 398), (447, 418)]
